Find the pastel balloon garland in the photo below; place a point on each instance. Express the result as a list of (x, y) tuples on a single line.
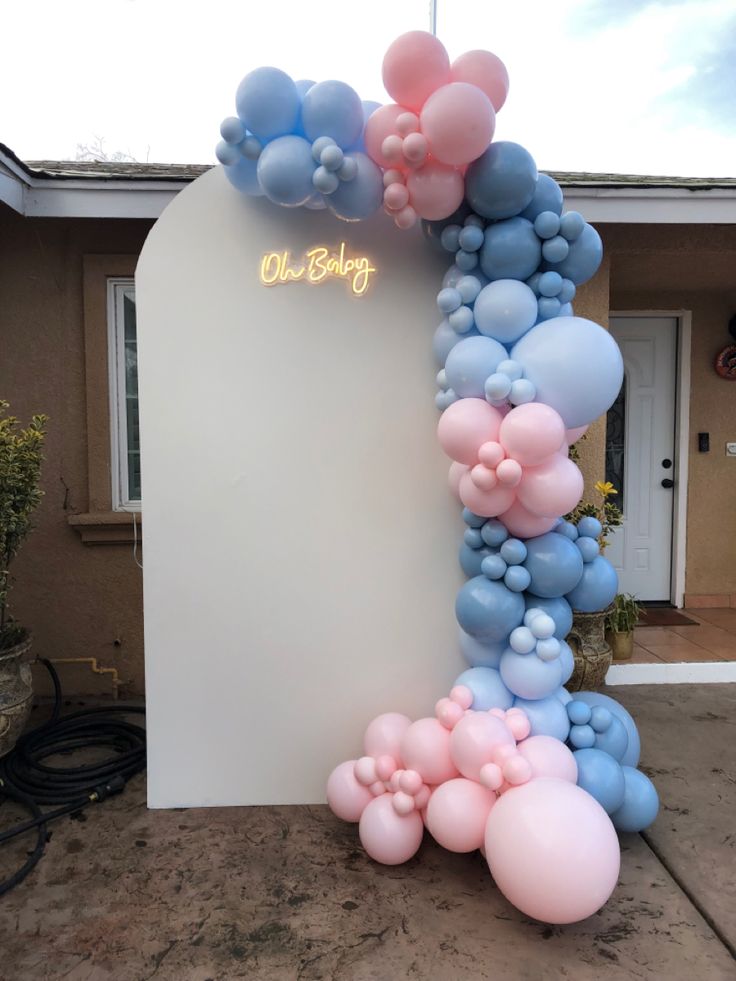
[(510, 763)]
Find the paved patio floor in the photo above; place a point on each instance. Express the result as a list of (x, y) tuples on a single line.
[(286, 894)]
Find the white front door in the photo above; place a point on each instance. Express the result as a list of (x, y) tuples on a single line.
[(640, 462)]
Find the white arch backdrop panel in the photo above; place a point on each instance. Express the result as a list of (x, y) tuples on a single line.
[(300, 540)]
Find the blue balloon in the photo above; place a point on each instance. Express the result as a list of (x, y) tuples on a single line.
[(590, 527), (572, 224), (554, 563), (232, 130), (563, 695), (547, 197), (359, 198), (581, 737), (511, 250), (575, 366), (602, 777), (268, 103), (487, 688), (471, 558), (527, 676), (505, 309), (567, 662), (614, 740), (488, 610), (480, 655), (557, 608), (303, 85), (445, 339), (640, 805), (596, 588), (633, 751), (333, 109), (285, 170), (502, 181), (582, 259), (589, 548), (243, 175), (578, 712), (470, 362), (547, 716)]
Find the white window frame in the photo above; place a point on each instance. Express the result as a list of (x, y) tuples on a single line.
[(117, 289)]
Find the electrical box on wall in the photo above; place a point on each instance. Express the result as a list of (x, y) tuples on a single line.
[(703, 442), (731, 449)]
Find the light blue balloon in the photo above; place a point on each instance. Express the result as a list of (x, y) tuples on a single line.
[(488, 610), (547, 716), (268, 103), (369, 107), (633, 750), (493, 566), (596, 588), (502, 181), (513, 551), (547, 197), (360, 197), (614, 740), (557, 608), (572, 224), (511, 250), (566, 310), (333, 109), (568, 529), (461, 320), (583, 258), (550, 284), (589, 548), (303, 85), (487, 688), (232, 130), (548, 307), (567, 290), (494, 532), (505, 310), (575, 366), (517, 578), (471, 559), (226, 153), (590, 526), (555, 249), (640, 805), (454, 274), (243, 175), (602, 777), (470, 362), (285, 170), (554, 563), (445, 339), (526, 676), (563, 695), (547, 225), (480, 655), (567, 662), (467, 261), (578, 712), (470, 238), (472, 538), (581, 737)]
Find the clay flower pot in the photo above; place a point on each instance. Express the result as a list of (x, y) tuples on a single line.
[(590, 649), (16, 693), (621, 643)]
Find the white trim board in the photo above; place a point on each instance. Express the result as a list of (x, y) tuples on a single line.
[(685, 673)]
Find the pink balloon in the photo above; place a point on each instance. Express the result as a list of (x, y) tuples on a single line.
[(552, 850), (382, 123), (523, 524), (551, 489), (435, 190), (413, 67), (384, 734), (426, 749), (465, 426), (457, 814), (457, 470), (474, 739), (532, 432), (388, 837), (487, 71), (396, 196), (548, 757), (347, 798), (573, 435), (458, 121), (488, 504)]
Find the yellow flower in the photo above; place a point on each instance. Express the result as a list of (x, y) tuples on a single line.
[(605, 489)]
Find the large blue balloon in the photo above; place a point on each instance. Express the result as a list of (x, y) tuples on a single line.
[(583, 258), (547, 197), (244, 176), (548, 716), (510, 250), (602, 777), (469, 364), (359, 198), (554, 563), (285, 169), (567, 662), (597, 586), (614, 740), (333, 109), (556, 607), (488, 610), (633, 750), (268, 102), (527, 676), (575, 366), (487, 688), (502, 181), (481, 654), (505, 309), (640, 805)]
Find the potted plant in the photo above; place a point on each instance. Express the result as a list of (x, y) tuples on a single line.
[(620, 623), (20, 493)]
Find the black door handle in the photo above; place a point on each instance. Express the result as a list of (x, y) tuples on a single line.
[(666, 463), (668, 483)]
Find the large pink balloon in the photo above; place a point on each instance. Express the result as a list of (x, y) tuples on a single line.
[(382, 123), (523, 524), (474, 739), (413, 67), (552, 850), (457, 470), (548, 757), (384, 734), (426, 749), (458, 121), (388, 837), (457, 814), (487, 71), (488, 504), (532, 432), (347, 798), (551, 489), (464, 426), (435, 190), (573, 435)]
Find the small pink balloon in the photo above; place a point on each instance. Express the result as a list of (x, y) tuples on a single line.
[(458, 121), (474, 740), (403, 803), (457, 471), (365, 771), (346, 797), (391, 149), (503, 753), (396, 196), (426, 748), (462, 695), (381, 123), (524, 524), (388, 837), (421, 799), (491, 453), (548, 757), (384, 734), (552, 850), (488, 504), (448, 713), (552, 488), (531, 433), (436, 190), (415, 149), (517, 770), (465, 426), (457, 814), (413, 67), (509, 473), (491, 776), (573, 435), (410, 782), (392, 176), (406, 123), (385, 767), (483, 478), (377, 788), (406, 218), (518, 722), (485, 70), (394, 783), (498, 712)]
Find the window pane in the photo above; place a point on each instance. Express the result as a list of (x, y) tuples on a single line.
[(131, 398), (615, 444)]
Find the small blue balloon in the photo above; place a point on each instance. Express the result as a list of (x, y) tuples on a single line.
[(502, 181), (590, 526), (614, 740), (557, 608), (512, 369), (494, 533), (268, 103), (332, 109), (640, 804), (582, 259), (332, 157), (589, 548), (449, 299), (602, 777), (600, 718), (526, 676), (578, 712), (468, 287), (228, 155), (461, 320), (513, 551), (478, 655), (567, 289), (472, 538), (243, 175), (487, 687), (572, 224), (511, 250), (488, 610), (554, 563), (550, 284), (633, 750), (232, 130), (581, 737), (285, 170), (493, 566), (473, 520), (548, 307), (566, 310), (450, 237), (303, 85), (568, 529), (325, 181), (547, 197), (547, 716), (360, 197), (547, 224), (505, 310), (533, 282), (471, 238), (555, 249), (467, 261), (596, 587), (471, 559), (517, 578)]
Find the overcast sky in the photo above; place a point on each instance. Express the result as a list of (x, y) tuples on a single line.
[(627, 86)]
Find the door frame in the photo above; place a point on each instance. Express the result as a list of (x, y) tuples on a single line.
[(684, 319)]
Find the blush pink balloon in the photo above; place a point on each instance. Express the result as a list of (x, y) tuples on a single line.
[(573, 435), (388, 837), (396, 196), (458, 121), (465, 426), (457, 471), (426, 749), (474, 740), (551, 489), (384, 734), (382, 123), (347, 798), (413, 67), (435, 190), (523, 524), (532, 432), (487, 71), (486, 503), (552, 850), (548, 757), (457, 814)]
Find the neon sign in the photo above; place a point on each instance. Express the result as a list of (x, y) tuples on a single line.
[(316, 266)]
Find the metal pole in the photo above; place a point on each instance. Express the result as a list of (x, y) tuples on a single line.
[(433, 16)]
